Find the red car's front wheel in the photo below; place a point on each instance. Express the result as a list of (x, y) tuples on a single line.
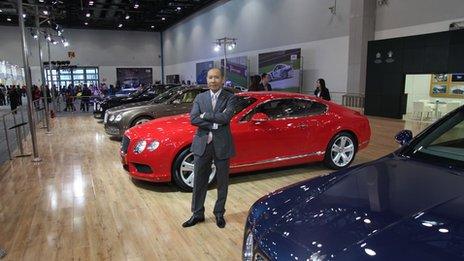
[(183, 170)]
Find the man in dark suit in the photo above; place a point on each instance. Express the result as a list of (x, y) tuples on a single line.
[(264, 85), (211, 113)]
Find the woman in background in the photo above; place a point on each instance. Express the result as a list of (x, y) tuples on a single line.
[(321, 90)]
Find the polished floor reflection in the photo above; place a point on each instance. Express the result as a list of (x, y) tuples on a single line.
[(80, 204)]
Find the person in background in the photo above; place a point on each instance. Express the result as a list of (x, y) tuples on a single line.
[(86, 93), (264, 84), (321, 90), (14, 96), (2, 95), (254, 85)]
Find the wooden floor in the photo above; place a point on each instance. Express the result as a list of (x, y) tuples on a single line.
[(79, 204)]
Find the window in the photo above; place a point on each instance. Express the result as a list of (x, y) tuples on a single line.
[(75, 76), (288, 108)]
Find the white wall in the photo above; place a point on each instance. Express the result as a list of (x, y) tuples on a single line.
[(324, 58), (264, 25), (103, 48)]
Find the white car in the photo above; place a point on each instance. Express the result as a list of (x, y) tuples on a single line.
[(281, 71)]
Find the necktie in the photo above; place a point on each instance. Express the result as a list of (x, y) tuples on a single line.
[(213, 103)]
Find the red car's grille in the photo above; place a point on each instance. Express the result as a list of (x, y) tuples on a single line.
[(125, 144)]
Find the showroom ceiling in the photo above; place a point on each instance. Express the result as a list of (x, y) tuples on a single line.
[(139, 15)]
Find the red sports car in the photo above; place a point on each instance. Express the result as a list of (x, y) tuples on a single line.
[(270, 129)]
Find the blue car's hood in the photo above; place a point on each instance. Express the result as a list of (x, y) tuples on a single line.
[(391, 208)]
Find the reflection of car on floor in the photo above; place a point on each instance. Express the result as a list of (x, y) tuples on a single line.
[(175, 101), (458, 91), (281, 71), (408, 205), (270, 130), (439, 89)]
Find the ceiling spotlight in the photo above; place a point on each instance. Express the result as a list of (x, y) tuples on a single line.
[(179, 8), (54, 42), (65, 43), (41, 1), (35, 36), (87, 15), (217, 48), (163, 18), (86, 23), (49, 38), (24, 15), (120, 25), (230, 47), (127, 17), (1, 10), (152, 26), (90, 3), (45, 12), (8, 19), (136, 6)]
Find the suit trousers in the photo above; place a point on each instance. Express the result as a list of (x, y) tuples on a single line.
[(200, 181)]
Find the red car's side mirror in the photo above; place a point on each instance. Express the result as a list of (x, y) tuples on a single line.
[(259, 117)]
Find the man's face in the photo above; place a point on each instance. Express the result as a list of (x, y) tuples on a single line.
[(214, 79)]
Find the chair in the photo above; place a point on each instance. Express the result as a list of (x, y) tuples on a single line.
[(421, 109)]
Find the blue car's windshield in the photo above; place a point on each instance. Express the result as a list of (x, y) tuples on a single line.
[(444, 144)]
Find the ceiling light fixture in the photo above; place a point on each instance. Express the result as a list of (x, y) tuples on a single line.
[(86, 23), (24, 15), (163, 18), (179, 8), (65, 43), (45, 12), (8, 19), (136, 6), (127, 17), (35, 36), (87, 15), (90, 3), (1, 11), (152, 26), (120, 25), (41, 1)]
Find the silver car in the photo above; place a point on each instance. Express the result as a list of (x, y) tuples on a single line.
[(175, 101)]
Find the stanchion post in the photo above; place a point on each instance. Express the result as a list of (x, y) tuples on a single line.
[(27, 73), (6, 136)]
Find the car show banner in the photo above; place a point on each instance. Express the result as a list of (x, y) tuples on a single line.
[(237, 72), (133, 77), (202, 70), (283, 68)]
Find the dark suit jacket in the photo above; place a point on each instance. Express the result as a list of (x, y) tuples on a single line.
[(325, 94), (222, 114)]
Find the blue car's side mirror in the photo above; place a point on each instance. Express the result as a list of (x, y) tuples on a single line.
[(404, 137)]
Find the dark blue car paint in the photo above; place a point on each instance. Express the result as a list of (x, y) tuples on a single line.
[(394, 208)]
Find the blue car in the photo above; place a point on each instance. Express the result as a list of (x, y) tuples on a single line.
[(408, 205)]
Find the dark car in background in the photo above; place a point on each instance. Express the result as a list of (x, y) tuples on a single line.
[(143, 94), (175, 101), (408, 205)]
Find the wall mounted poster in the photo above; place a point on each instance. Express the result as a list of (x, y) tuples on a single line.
[(283, 68), (447, 85), (133, 77), (237, 71), (202, 71)]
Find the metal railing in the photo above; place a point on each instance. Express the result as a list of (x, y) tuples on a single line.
[(355, 100), (15, 130)]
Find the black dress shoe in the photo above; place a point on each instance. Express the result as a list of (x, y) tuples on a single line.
[(193, 221), (220, 222)]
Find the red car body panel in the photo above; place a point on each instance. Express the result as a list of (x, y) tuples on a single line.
[(262, 145)]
